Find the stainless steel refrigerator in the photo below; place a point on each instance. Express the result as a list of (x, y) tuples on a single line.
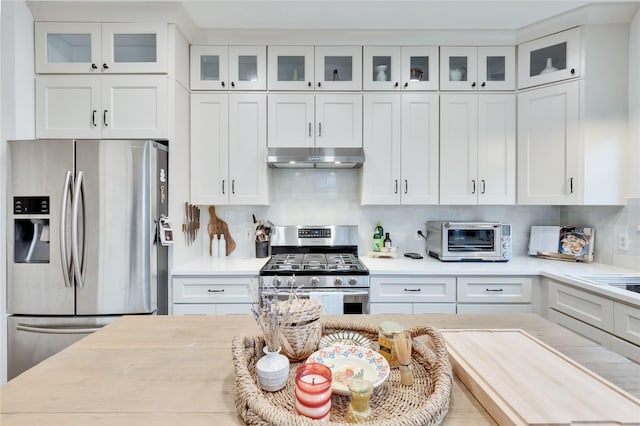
[(82, 240)]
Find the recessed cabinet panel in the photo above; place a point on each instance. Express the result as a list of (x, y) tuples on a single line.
[(291, 120), (339, 121), (381, 69), (420, 68), (338, 68), (62, 47), (290, 67), (228, 68), (481, 68), (134, 48), (548, 59)]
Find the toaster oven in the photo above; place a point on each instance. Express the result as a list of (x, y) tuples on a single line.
[(469, 241)]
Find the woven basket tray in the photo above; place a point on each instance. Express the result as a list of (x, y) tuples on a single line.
[(424, 403)]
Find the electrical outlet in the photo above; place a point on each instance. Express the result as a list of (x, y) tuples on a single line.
[(623, 241), (248, 233)]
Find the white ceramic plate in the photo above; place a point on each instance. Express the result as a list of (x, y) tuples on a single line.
[(347, 361), (345, 338)]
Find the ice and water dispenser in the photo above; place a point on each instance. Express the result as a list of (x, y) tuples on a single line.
[(31, 230)]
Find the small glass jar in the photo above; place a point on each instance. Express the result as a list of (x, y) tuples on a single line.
[(359, 410), (386, 333)]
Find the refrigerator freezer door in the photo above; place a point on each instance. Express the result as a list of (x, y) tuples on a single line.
[(35, 285), (34, 339), (117, 224)]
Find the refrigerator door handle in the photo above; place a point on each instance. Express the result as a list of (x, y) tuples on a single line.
[(79, 264), (56, 330), (66, 267)]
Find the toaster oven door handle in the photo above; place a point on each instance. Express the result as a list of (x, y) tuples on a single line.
[(468, 225)]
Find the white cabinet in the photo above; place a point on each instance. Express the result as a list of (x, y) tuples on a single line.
[(477, 149), (101, 107), (626, 322), (549, 148), (412, 294), (494, 294), (477, 68), (552, 58), (306, 120), (228, 67), (228, 145), (79, 48), (400, 68), (582, 305), (401, 148), (214, 295), (315, 68)]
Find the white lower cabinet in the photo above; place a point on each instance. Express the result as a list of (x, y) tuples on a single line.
[(626, 322), (582, 305), (214, 295), (495, 295), (412, 294)]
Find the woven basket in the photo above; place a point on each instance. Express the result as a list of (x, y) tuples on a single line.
[(424, 403), (300, 338)]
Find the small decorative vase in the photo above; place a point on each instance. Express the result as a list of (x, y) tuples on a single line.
[(381, 75), (272, 370), (549, 67)]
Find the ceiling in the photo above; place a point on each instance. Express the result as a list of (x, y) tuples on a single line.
[(380, 14)]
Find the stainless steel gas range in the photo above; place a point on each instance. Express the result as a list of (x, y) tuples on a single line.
[(312, 260)]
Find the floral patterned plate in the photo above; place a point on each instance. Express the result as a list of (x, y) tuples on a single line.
[(344, 338), (347, 361)]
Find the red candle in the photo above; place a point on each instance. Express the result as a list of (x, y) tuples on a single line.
[(313, 391)]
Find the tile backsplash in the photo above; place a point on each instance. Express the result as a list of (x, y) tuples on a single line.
[(332, 197)]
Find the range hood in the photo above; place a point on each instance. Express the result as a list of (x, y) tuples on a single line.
[(315, 158)]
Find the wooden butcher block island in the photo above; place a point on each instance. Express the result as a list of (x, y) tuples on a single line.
[(178, 370)]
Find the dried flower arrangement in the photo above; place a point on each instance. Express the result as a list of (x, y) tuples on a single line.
[(271, 315)]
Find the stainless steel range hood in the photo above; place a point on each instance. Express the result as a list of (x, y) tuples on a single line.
[(315, 158)]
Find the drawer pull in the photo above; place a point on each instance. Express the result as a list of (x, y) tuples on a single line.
[(216, 290), (412, 289), (492, 289)]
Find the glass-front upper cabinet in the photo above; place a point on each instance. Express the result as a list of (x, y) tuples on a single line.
[(338, 68), (228, 68), (548, 59), (78, 48), (290, 68), (477, 68), (400, 68)]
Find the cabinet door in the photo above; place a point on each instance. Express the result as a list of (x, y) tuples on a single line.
[(247, 149), (419, 68), (134, 107), (134, 47), (248, 67), (209, 148), (413, 289), (459, 149), (68, 107), (381, 69), (549, 148), (496, 68), (338, 68), (381, 142), (338, 121), (458, 68), (419, 163), (582, 305), (495, 289), (291, 120), (497, 149), (626, 322), (63, 47), (548, 59), (290, 68), (209, 67)]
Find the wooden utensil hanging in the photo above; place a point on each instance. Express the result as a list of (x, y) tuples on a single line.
[(218, 226)]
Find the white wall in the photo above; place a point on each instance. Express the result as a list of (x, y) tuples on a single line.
[(16, 119), (634, 108)]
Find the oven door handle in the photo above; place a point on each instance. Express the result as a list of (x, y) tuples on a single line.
[(305, 295)]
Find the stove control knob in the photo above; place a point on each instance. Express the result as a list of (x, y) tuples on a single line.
[(291, 282), (276, 282), (338, 281), (353, 281), (314, 281)]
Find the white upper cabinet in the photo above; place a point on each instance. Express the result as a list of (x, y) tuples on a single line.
[(80, 48), (228, 67), (477, 68), (477, 149), (548, 59), (319, 68), (400, 68)]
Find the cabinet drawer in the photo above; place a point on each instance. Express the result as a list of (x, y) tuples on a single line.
[(582, 305), (626, 322), (413, 289), (215, 290), (494, 289)]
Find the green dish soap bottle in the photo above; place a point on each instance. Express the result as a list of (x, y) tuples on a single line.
[(378, 237)]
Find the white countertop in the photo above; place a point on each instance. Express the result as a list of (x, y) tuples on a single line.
[(522, 266)]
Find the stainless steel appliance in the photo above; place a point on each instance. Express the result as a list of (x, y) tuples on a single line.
[(469, 241), (82, 240), (317, 259)]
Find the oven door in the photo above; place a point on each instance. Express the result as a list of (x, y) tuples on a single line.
[(354, 300), (471, 241)]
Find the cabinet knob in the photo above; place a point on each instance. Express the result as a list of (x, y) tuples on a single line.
[(309, 84), (573, 71), (396, 85), (222, 83), (483, 84), (233, 84), (105, 66), (406, 84), (94, 67), (319, 84), (473, 84)]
